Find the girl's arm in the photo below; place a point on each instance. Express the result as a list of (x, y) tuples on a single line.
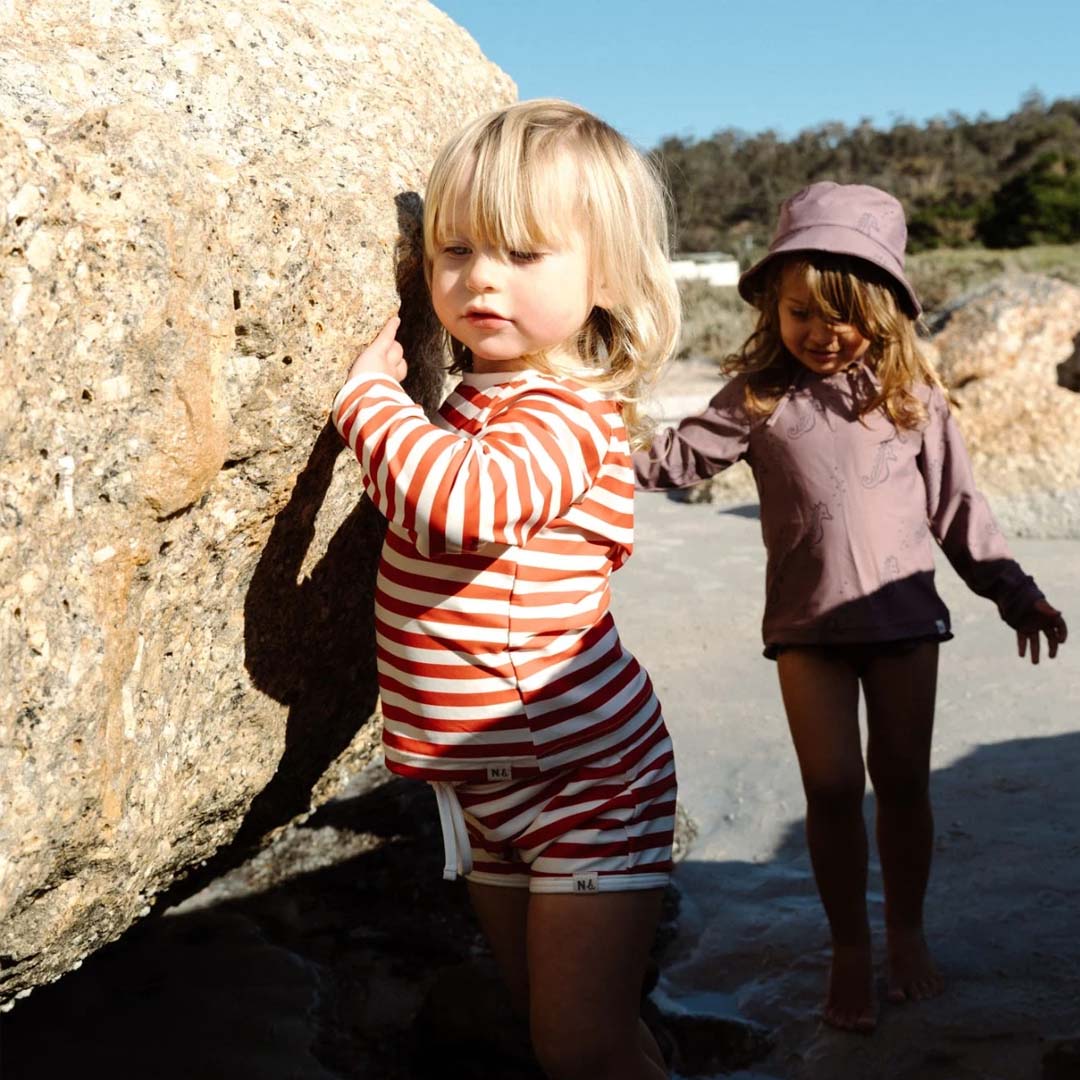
[(961, 521), (533, 460), (700, 447)]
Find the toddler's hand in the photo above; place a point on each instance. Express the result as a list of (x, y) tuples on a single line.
[(1047, 619), (384, 356)]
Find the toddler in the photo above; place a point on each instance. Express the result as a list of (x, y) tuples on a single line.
[(503, 680)]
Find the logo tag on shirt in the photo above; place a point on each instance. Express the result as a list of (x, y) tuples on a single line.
[(587, 882), (499, 772), (941, 626)]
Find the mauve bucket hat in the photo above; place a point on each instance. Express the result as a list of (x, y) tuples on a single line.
[(844, 219)]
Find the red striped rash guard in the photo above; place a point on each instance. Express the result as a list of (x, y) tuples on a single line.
[(497, 655)]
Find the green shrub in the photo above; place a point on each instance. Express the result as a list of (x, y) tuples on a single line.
[(1038, 206)]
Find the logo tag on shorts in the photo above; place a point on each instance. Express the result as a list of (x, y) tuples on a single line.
[(499, 772), (941, 626), (587, 882)]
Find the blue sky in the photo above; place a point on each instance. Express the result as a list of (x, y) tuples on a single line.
[(691, 67)]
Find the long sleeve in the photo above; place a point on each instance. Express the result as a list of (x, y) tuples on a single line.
[(537, 454), (700, 446), (962, 522)]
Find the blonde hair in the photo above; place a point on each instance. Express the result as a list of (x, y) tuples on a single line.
[(843, 289), (510, 167)]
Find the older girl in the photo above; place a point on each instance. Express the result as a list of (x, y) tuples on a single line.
[(860, 468)]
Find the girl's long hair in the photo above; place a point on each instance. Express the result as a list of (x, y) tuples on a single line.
[(525, 176), (842, 289)]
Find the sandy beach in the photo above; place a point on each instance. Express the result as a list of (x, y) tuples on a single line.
[(313, 961), (1003, 912)]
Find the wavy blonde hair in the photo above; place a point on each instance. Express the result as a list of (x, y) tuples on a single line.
[(511, 167), (843, 289)]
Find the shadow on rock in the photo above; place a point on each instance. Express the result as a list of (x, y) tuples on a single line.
[(337, 952), (297, 965)]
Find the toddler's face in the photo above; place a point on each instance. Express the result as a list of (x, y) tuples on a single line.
[(507, 305), (822, 346)]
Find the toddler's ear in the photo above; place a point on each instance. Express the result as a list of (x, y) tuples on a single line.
[(602, 296)]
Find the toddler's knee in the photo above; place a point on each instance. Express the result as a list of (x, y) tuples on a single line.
[(579, 1055)]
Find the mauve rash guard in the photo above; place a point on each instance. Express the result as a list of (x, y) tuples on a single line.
[(850, 509)]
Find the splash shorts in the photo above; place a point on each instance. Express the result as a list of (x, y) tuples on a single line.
[(604, 826)]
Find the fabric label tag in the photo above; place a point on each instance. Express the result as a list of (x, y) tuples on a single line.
[(499, 772), (587, 882), (941, 626)]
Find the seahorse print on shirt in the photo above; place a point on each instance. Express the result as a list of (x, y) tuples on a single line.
[(880, 471), (807, 421), (817, 523)]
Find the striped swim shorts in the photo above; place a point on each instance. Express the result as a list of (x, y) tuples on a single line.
[(604, 826)]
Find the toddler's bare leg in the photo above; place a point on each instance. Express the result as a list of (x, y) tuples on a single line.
[(821, 699), (900, 693), (597, 975), (503, 916), (587, 958)]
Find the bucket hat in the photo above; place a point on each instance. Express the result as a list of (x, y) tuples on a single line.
[(843, 219)]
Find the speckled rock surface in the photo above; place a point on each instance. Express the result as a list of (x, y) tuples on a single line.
[(1021, 324), (1007, 354), (206, 209)]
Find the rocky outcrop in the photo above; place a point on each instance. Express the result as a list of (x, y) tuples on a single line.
[(205, 211), (1006, 354)]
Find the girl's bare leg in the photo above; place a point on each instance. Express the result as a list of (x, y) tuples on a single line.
[(900, 693), (575, 965), (821, 699)]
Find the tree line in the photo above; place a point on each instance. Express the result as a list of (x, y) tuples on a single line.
[(995, 183)]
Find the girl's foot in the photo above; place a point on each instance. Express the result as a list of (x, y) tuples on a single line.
[(913, 975), (850, 1004)]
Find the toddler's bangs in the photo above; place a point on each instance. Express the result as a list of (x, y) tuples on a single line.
[(507, 198)]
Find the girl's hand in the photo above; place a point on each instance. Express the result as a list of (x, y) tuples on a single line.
[(1047, 619), (384, 356)]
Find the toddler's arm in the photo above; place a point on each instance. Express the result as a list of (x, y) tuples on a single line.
[(531, 462), (700, 447), (963, 524)]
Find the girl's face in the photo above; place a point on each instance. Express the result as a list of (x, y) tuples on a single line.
[(507, 305), (822, 346)]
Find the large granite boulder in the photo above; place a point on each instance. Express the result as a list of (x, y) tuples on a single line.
[(1007, 353), (206, 209)]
